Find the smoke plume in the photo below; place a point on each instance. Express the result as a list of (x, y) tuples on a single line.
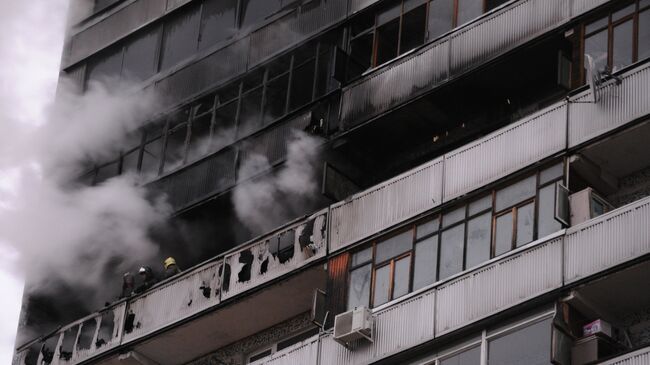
[(265, 202)]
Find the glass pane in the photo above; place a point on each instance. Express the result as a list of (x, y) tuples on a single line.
[(427, 228), (362, 256), (224, 126), (394, 246), (441, 13), (175, 148), (323, 77), (596, 47), (359, 291), (478, 240), (551, 173), (389, 14), (480, 205), (181, 38), (151, 158), (106, 172), (453, 216), (387, 38), (130, 161), (140, 56), (108, 65), (546, 221), (525, 224), (644, 35), (468, 10), (276, 99), (623, 48), (451, 251), (412, 4), (530, 345), (382, 285), (468, 357), (503, 235), (413, 28), (249, 118), (360, 55), (255, 11), (515, 193), (426, 262), (402, 277), (302, 84), (200, 138), (598, 24), (217, 21), (617, 15)]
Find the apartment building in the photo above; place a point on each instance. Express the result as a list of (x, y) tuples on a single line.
[(483, 170)]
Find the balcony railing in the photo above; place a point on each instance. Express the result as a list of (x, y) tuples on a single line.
[(584, 250), (638, 357), (465, 49)]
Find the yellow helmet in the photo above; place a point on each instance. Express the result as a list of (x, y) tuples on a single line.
[(168, 262)]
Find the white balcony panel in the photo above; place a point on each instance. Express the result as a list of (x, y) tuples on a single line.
[(397, 328), (616, 106), (505, 151), (113, 27), (382, 206), (303, 353), (263, 263), (175, 300), (639, 357), (499, 286), (504, 30), (395, 84), (607, 241)]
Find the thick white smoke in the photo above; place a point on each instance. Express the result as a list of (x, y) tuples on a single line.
[(53, 230), (265, 202)]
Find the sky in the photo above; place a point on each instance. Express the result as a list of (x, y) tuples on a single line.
[(31, 40)]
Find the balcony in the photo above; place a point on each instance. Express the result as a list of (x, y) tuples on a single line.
[(197, 294), (641, 356)]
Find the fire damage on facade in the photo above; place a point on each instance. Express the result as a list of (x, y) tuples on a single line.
[(481, 171)]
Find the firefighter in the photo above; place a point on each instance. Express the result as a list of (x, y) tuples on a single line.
[(171, 268), (148, 279), (128, 285)]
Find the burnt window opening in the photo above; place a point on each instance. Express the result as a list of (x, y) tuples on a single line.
[(246, 258), (285, 249), (107, 328), (67, 345), (86, 335), (128, 327), (32, 354), (206, 290), (224, 271), (617, 39), (264, 266), (305, 236), (48, 349)]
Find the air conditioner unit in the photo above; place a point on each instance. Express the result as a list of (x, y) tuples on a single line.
[(354, 325), (586, 204)]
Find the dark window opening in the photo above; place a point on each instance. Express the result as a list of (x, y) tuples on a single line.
[(181, 36), (67, 346), (87, 333), (217, 21), (413, 29), (276, 99), (441, 17), (106, 329), (302, 84), (387, 42), (151, 157), (175, 148), (140, 56), (246, 258)]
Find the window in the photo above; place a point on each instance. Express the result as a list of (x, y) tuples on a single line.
[(140, 56), (255, 11), (529, 345), (460, 238), (181, 37), (217, 21), (467, 357), (107, 65), (620, 38)]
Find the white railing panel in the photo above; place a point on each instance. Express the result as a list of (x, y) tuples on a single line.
[(499, 286), (617, 105), (607, 241), (382, 206), (260, 261), (174, 300), (303, 353), (505, 151), (639, 357)]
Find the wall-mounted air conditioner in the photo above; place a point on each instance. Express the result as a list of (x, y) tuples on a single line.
[(354, 325), (586, 204)]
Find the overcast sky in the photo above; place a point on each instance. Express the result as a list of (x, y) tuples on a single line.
[(31, 38)]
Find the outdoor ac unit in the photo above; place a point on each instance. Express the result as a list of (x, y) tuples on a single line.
[(354, 325), (586, 204)]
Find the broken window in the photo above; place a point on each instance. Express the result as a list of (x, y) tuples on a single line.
[(175, 147), (217, 21), (130, 161), (151, 154), (255, 11), (48, 349), (140, 56), (67, 346), (106, 65), (246, 259), (276, 98), (200, 144), (106, 329), (181, 36), (620, 38), (249, 116), (87, 334), (283, 246)]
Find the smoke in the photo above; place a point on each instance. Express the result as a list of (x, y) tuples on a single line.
[(265, 202), (58, 233)]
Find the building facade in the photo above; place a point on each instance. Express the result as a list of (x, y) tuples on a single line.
[(483, 170)]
